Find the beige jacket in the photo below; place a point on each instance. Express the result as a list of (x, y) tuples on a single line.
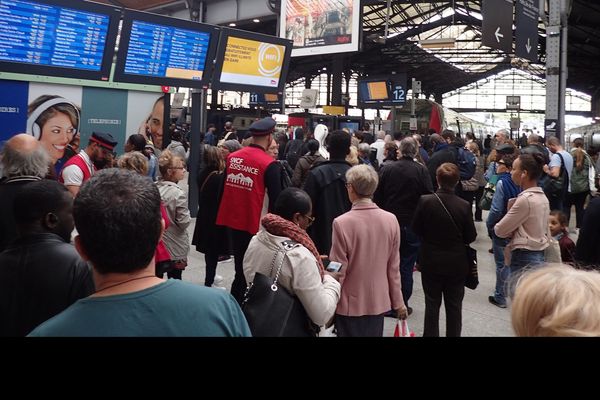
[(526, 222), (299, 275)]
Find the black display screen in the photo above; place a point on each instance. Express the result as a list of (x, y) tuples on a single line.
[(165, 51), (385, 91), (69, 39)]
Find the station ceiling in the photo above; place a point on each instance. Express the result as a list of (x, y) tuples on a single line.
[(440, 70)]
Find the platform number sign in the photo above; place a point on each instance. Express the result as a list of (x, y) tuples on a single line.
[(398, 94), (253, 98)]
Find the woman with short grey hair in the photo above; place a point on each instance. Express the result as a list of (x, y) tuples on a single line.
[(365, 241)]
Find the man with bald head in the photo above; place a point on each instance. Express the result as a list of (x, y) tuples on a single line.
[(23, 160)]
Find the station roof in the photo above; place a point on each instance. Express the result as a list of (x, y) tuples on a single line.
[(441, 69)]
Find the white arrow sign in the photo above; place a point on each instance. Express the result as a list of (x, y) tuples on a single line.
[(498, 34), (528, 45)]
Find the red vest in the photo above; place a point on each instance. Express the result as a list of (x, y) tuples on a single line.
[(80, 162), (244, 189)]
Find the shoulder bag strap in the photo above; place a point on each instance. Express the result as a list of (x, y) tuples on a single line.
[(206, 179), (287, 245), (449, 215), (562, 165)]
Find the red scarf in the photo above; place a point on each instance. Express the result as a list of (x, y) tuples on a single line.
[(276, 225)]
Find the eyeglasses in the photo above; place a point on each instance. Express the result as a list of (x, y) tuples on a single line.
[(501, 162), (177, 168), (310, 220)]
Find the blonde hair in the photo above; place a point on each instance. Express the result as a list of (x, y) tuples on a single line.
[(165, 161), (363, 179), (352, 157), (134, 161), (557, 300), (473, 148)]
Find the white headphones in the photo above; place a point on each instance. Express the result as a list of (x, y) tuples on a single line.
[(34, 128)]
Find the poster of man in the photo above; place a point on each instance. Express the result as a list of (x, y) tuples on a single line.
[(321, 26)]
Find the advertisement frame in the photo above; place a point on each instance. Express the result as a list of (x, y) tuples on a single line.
[(220, 58), (130, 15), (114, 14), (355, 36)]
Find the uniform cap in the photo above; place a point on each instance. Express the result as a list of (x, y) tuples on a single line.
[(103, 139), (262, 127)]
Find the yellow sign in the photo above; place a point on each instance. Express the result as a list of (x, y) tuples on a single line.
[(252, 62), (334, 110)]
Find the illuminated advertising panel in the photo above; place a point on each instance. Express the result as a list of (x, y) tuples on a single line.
[(251, 62), (321, 26)]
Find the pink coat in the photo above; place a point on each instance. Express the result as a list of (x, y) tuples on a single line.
[(366, 240)]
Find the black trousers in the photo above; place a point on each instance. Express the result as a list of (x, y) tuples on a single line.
[(241, 240), (577, 199), (211, 258), (478, 210), (363, 326), (452, 288)]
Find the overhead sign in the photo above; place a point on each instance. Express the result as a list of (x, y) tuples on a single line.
[(497, 24), (513, 102), (268, 100), (385, 91), (526, 32)]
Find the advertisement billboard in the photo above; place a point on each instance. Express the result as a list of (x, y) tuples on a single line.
[(251, 62), (321, 26)]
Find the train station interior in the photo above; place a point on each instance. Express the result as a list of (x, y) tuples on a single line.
[(183, 76)]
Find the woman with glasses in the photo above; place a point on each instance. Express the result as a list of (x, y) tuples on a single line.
[(365, 241), (302, 272), (172, 170)]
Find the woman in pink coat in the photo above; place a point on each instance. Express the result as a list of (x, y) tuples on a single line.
[(366, 240)]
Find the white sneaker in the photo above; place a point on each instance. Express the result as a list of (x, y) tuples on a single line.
[(218, 282)]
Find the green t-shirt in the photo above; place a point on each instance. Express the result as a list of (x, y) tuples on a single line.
[(172, 308)]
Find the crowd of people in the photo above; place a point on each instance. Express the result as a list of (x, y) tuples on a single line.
[(381, 206)]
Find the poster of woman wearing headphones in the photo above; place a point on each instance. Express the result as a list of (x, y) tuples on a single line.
[(54, 121)]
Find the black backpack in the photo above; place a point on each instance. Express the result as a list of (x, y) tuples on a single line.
[(294, 152)]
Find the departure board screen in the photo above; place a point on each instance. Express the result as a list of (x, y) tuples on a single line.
[(165, 51), (47, 34)]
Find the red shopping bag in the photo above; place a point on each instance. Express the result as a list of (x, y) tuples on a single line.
[(402, 329)]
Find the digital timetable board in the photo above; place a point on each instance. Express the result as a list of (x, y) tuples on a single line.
[(251, 62), (58, 38), (165, 51)]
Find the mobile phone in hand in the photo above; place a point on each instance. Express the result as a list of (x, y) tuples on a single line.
[(334, 266)]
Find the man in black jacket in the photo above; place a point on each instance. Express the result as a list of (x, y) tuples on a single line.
[(401, 184), (326, 186), (41, 274)]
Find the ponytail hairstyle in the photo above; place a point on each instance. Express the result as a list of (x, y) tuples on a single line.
[(533, 163), (579, 154)]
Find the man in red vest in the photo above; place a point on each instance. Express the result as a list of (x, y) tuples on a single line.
[(81, 167), (252, 182)]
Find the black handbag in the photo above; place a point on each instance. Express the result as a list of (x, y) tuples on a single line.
[(472, 278), (554, 187), (271, 310)]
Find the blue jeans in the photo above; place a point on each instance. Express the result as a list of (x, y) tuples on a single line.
[(521, 258), (502, 270), (409, 250)]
